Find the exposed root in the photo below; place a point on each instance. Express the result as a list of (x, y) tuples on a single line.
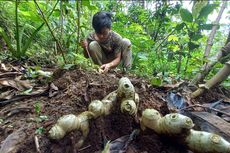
[(37, 144)]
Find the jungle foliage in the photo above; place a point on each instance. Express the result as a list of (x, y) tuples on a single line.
[(168, 38)]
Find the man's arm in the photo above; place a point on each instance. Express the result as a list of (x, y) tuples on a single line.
[(112, 64), (116, 61), (84, 45)]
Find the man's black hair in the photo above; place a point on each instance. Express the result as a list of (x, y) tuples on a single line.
[(102, 20)]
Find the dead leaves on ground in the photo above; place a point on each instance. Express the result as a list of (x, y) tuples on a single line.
[(16, 82)]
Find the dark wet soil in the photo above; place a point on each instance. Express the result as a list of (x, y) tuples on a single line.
[(76, 88)]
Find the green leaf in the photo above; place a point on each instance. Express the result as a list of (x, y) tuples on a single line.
[(25, 13), (68, 66), (156, 81), (21, 34), (37, 107), (43, 118), (28, 91), (196, 37), (206, 26), (7, 41), (197, 7), (205, 11), (56, 13), (186, 15), (180, 26), (87, 4), (28, 42), (40, 130), (172, 38), (1, 121), (192, 46)]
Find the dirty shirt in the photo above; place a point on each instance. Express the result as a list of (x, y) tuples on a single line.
[(111, 46)]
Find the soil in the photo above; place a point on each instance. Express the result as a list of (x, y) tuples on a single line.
[(76, 89)]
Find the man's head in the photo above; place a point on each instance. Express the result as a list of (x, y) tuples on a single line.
[(102, 24)]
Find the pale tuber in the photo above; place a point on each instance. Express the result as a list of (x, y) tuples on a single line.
[(204, 142), (179, 125), (128, 101), (99, 108), (69, 123), (170, 124)]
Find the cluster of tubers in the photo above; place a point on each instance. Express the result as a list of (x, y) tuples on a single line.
[(177, 125), (125, 98)]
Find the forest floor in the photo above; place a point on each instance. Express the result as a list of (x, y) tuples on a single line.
[(71, 91)]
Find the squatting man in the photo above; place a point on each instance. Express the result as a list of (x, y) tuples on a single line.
[(106, 47)]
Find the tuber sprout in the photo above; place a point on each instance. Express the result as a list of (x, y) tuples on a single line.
[(129, 107), (125, 89)]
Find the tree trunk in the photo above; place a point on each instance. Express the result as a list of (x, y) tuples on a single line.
[(215, 80), (213, 32)]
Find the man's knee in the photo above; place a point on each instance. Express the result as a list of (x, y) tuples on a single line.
[(126, 42), (94, 46), (126, 54)]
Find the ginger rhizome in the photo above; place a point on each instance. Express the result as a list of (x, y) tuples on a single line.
[(124, 96), (175, 124), (69, 123), (129, 98)]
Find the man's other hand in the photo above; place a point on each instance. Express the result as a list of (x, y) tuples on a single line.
[(84, 43)]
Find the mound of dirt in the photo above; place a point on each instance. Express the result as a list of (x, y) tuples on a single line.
[(74, 90)]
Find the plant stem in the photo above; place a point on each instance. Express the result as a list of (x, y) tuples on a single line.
[(213, 32), (220, 76), (17, 30), (179, 60), (61, 20), (78, 23), (210, 108), (45, 20)]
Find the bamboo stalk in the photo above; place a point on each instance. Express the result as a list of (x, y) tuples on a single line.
[(215, 80), (213, 32)]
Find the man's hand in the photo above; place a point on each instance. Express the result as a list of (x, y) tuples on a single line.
[(105, 68), (84, 43)]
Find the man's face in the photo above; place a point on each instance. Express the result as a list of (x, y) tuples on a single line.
[(104, 34)]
